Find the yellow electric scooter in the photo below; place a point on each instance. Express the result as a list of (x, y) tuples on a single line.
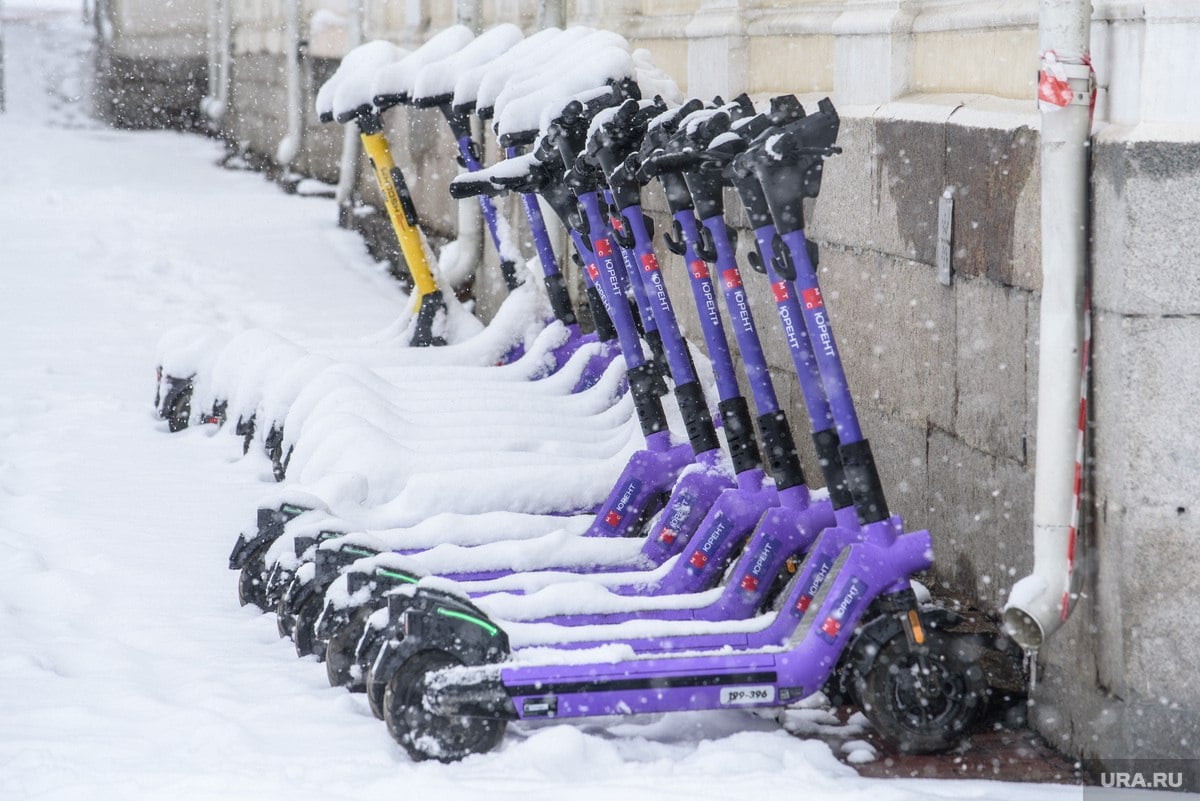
[(403, 216)]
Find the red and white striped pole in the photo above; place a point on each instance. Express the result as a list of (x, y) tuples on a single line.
[(1070, 592)]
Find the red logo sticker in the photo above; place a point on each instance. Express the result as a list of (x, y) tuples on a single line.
[(1054, 90), (699, 270), (803, 603), (667, 536), (593, 272), (812, 298), (603, 247), (831, 626), (649, 263), (732, 278), (750, 583), (613, 518), (699, 560), (780, 290)]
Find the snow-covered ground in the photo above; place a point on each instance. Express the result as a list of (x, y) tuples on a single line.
[(128, 670)]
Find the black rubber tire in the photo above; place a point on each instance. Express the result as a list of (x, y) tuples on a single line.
[(273, 443), (305, 620), (375, 694), (420, 732), (246, 429), (340, 666), (285, 621), (179, 412), (252, 586), (924, 699)]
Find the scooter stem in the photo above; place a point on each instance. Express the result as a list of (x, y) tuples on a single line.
[(400, 208)]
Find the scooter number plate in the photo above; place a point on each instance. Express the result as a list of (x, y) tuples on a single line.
[(734, 696)]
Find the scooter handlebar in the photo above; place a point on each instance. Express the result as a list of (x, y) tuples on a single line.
[(465, 186)]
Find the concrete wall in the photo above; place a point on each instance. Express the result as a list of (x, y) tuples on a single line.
[(935, 96), (151, 66), (1119, 678)]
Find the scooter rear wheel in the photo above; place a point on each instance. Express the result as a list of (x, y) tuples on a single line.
[(924, 698), (423, 734)]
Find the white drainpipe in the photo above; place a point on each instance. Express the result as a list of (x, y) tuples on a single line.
[(348, 166), (469, 13), (214, 54), (550, 14), (1039, 603), (220, 34), (468, 250), (468, 246), (292, 141)]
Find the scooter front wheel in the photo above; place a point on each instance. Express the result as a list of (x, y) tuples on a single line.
[(285, 621), (179, 413), (341, 666), (375, 689), (304, 621), (423, 734), (924, 698), (252, 584)]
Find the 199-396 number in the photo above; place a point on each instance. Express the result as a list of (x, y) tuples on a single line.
[(747, 695)]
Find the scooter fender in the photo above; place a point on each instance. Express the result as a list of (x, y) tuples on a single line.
[(446, 621), (298, 593), (332, 560), (379, 582), (432, 619), (278, 579), (869, 639), (392, 654), (269, 528), (331, 620)]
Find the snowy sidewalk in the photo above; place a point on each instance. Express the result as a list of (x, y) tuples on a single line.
[(128, 669)]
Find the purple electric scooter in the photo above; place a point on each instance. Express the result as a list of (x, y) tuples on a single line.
[(729, 513), (724, 515), (641, 490), (783, 535), (263, 585), (451, 86), (696, 490), (913, 683)]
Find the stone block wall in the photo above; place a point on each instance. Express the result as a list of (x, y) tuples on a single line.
[(141, 93), (257, 118), (943, 376), (1120, 676), (150, 73)]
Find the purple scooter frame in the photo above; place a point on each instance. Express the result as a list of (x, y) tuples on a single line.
[(560, 302), (777, 527), (771, 661), (736, 512)]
